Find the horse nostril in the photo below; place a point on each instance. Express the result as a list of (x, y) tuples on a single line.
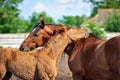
[(21, 48)]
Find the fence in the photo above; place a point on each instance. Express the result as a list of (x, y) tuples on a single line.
[(14, 40), (110, 35)]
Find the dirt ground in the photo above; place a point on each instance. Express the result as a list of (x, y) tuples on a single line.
[(63, 73)]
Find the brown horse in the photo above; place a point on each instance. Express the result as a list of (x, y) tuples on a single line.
[(92, 58), (98, 59), (38, 64)]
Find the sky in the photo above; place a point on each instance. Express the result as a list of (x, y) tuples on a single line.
[(55, 8)]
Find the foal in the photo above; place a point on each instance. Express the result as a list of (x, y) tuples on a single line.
[(38, 64)]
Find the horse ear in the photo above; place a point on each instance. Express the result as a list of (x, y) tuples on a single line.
[(62, 27), (41, 21)]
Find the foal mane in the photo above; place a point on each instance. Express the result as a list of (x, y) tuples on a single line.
[(55, 34)]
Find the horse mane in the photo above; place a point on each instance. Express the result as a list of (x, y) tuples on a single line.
[(55, 25), (51, 24), (93, 35)]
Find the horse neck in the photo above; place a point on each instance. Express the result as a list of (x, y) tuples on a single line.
[(71, 48), (56, 46)]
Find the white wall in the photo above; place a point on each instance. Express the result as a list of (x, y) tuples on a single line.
[(14, 40), (110, 35)]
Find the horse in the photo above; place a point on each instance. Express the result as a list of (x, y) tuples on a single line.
[(39, 40), (93, 58), (88, 58), (38, 64)]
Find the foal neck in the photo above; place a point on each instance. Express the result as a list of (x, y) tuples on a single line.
[(56, 46)]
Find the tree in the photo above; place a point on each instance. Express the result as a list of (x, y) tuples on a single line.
[(94, 28), (112, 24), (74, 21), (10, 22), (103, 4), (34, 19)]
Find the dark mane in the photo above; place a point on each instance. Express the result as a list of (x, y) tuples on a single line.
[(51, 24)]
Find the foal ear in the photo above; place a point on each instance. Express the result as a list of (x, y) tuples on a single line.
[(62, 27), (77, 33)]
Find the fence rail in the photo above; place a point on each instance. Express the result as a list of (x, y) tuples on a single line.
[(110, 35), (14, 40)]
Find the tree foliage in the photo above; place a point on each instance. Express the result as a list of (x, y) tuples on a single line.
[(94, 28), (74, 21), (112, 24), (10, 22), (34, 19)]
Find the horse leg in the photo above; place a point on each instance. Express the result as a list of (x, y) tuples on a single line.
[(7, 75), (2, 71), (43, 76), (40, 74)]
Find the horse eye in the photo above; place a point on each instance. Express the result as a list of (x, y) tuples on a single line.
[(35, 35)]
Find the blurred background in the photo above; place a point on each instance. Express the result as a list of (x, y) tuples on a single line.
[(18, 17)]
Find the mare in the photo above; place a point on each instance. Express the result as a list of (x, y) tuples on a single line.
[(33, 41), (93, 58), (39, 64), (88, 58)]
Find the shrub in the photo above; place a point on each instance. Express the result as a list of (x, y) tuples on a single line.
[(1, 47), (94, 28), (112, 23)]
